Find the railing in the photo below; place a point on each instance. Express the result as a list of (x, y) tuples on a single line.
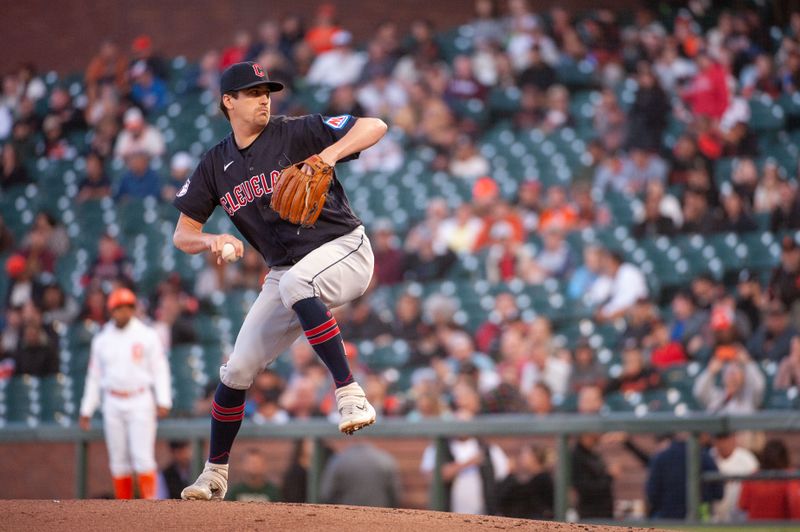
[(561, 427)]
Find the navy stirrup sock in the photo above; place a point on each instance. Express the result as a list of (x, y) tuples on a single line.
[(322, 333), (227, 412)]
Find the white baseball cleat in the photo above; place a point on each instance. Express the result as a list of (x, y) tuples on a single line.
[(354, 409), (212, 484)]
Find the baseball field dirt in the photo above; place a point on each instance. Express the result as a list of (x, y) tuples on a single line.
[(45, 515)]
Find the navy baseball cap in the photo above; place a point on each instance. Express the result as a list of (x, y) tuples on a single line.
[(244, 75)]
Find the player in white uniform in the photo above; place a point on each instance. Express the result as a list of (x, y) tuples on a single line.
[(129, 374)]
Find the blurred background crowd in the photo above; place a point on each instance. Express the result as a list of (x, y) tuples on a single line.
[(573, 212)]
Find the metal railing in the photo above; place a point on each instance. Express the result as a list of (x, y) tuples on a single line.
[(560, 427)]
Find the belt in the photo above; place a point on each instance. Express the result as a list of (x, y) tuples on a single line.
[(126, 393)]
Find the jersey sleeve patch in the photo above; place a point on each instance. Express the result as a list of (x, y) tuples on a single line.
[(337, 122), (184, 189)]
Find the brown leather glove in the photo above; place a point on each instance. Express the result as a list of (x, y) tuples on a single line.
[(298, 196)]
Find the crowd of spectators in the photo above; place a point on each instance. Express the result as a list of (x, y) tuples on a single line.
[(699, 70)]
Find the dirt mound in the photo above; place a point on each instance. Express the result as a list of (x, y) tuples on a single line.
[(206, 516)]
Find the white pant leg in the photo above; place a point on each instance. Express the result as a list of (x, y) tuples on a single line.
[(142, 424), (267, 331), (337, 272), (115, 428)]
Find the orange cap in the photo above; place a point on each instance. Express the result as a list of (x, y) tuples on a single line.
[(484, 187), (121, 297), (15, 265)]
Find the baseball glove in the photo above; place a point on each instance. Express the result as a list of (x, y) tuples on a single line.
[(299, 197)]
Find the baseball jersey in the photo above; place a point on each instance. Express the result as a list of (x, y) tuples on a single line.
[(126, 360), (241, 182)]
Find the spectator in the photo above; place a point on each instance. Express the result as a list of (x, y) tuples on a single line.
[(255, 485), (685, 158), (338, 66), (537, 74), (93, 312), (37, 354), (470, 468), (654, 223), (173, 323), (627, 286), (544, 367), (527, 492), (359, 321), (508, 259), (295, 478), (38, 255), (557, 114), (428, 263), (252, 271), (698, 216), (707, 94), (111, 264), (24, 287), (54, 235), (772, 340), (558, 213), (343, 102), (142, 52), (238, 51), (14, 173), (635, 376), (461, 352), (176, 475), (269, 410), (649, 113), (148, 91), (381, 96), (742, 389), (665, 352), (389, 258), (462, 85), (55, 146), (586, 370), (215, 277), (504, 315), (57, 308), (736, 219), (108, 67), (96, 185), (361, 475), (767, 499), (6, 237), (630, 174), (460, 231), (784, 283), (180, 168), (731, 459), (767, 197), (666, 481), (585, 281), (140, 180), (555, 260), (467, 162), (788, 374), (138, 137), (610, 121), (593, 479), (207, 77), (540, 400), (787, 214), (749, 298)]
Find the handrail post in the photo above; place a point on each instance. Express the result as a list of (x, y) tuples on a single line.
[(81, 459), (315, 471), (692, 478), (437, 484), (562, 477)]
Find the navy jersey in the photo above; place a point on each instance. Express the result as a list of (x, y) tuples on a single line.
[(242, 182)]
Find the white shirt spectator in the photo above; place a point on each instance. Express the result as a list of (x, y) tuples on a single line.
[(740, 462), (337, 67), (627, 286), (466, 493), (6, 122), (149, 141), (715, 399), (555, 375), (381, 99)]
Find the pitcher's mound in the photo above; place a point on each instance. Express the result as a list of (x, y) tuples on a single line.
[(208, 516)]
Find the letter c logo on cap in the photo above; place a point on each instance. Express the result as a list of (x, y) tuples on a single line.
[(258, 70)]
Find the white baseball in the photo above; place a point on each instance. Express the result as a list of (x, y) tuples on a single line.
[(229, 252)]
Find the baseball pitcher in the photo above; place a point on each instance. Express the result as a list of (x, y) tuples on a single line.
[(273, 176), (129, 371)]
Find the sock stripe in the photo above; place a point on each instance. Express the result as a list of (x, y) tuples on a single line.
[(326, 331), (320, 328), (347, 380), (225, 410), (227, 417), (324, 337)]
